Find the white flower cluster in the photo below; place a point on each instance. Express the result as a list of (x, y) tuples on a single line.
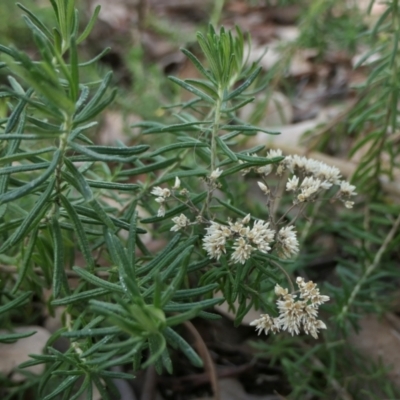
[(316, 176), (295, 315), (310, 177), (245, 239)]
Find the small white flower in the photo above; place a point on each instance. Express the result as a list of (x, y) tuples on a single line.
[(292, 183), (288, 244), (349, 204), (264, 170), (274, 153), (346, 189), (180, 222), (242, 251), (216, 174), (157, 191), (264, 188), (161, 211), (177, 183), (246, 219), (266, 324)]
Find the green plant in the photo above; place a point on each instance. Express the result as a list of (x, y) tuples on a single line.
[(71, 208)]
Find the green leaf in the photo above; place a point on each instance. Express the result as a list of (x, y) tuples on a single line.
[(177, 341), (198, 65), (192, 89), (125, 151), (26, 261), (73, 55), (244, 85), (31, 220), (148, 168), (79, 181), (90, 25), (19, 301), (178, 146), (181, 307), (225, 149), (126, 269), (59, 277), (32, 185), (181, 262), (181, 318), (80, 233), (131, 243), (102, 214), (62, 387), (99, 157), (79, 297), (13, 337), (185, 294), (246, 128), (156, 345), (96, 281), (95, 99)]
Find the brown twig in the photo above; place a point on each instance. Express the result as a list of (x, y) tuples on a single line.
[(209, 365)]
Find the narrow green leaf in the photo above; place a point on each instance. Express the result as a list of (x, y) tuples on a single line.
[(126, 270), (198, 65), (226, 150), (181, 307), (80, 182), (26, 260), (90, 25), (244, 85), (80, 233), (79, 297), (125, 151), (185, 294), (32, 185), (74, 67), (99, 157), (24, 168), (131, 243), (18, 302), (96, 281), (178, 146), (102, 214), (177, 341), (181, 318), (148, 168), (62, 387), (31, 220), (192, 89), (246, 128), (59, 277), (13, 337), (126, 187)]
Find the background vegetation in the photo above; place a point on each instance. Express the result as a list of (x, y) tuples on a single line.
[(84, 255)]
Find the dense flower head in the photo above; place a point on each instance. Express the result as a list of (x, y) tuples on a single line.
[(295, 314), (287, 242), (243, 238), (310, 178)]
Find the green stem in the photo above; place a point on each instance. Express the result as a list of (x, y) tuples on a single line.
[(371, 268)]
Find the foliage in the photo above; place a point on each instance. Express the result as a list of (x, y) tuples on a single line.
[(74, 214)]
